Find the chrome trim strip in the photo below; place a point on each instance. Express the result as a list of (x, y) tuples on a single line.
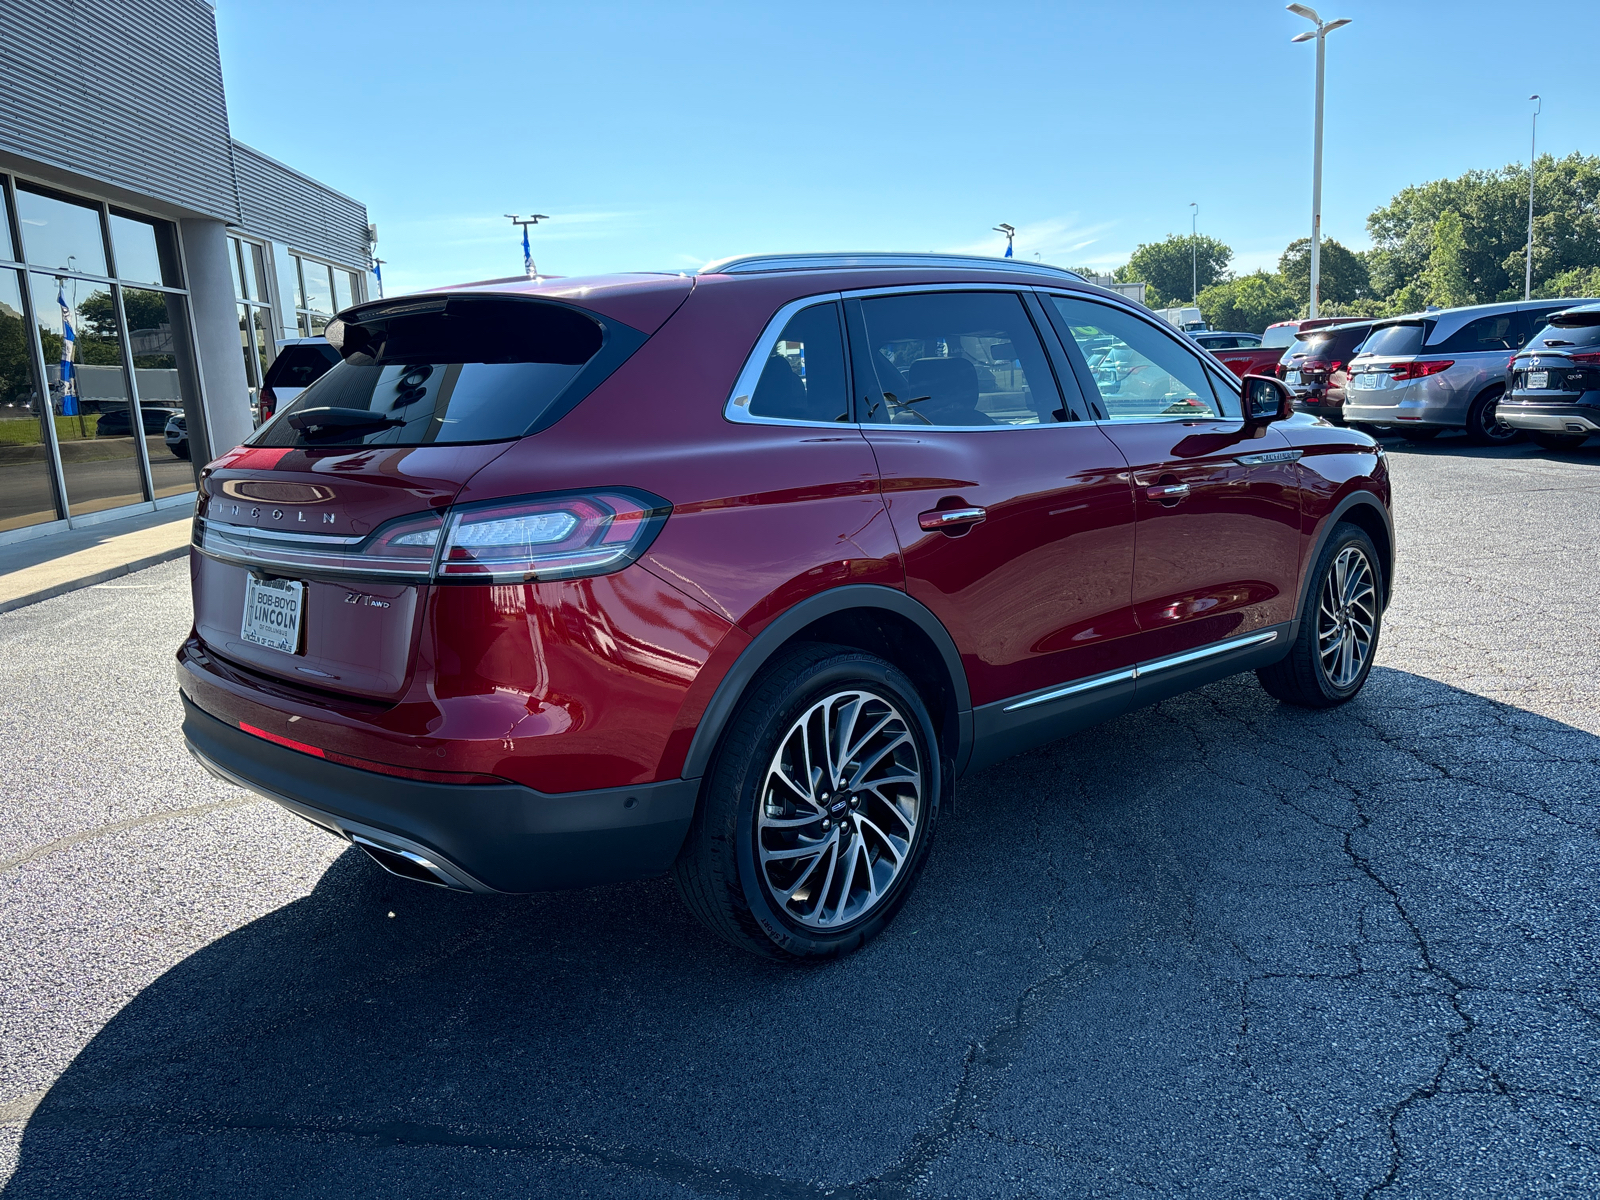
[(1072, 689), (1270, 456), (310, 540), (737, 407), (1146, 668)]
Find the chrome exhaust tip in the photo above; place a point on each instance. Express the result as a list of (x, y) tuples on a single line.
[(408, 864)]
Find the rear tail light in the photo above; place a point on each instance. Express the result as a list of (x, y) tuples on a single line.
[(531, 538), (1585, 358), (1420, 370), (268, 402)]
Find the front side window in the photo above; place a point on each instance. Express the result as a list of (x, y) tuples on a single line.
[(803, 378), (955, 359), (1140, 372)]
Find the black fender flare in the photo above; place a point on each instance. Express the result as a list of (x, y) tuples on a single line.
[(813, 608), (1356, 499)]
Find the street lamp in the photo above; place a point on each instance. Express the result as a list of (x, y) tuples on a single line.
[(1321, 33), (1194, 251), (1533, 143), (1010, 231)]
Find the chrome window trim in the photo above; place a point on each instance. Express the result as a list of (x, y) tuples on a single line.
[(1145, 668), (744, 387)]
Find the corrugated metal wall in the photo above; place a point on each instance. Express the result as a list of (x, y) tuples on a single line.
[(129, 92), (279, 202), (125, 91)]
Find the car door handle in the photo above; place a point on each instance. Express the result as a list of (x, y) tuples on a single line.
[(939, 519), (1168, 493)]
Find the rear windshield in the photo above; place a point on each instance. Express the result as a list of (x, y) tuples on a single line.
[(300, 366), (1277, 337), (1306, 347), (1563, 337), (1394, 339), (480, 370)]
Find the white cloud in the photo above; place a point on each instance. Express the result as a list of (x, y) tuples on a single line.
[(1062, 241)]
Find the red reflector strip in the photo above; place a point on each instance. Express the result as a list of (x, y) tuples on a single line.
[(283, 741)]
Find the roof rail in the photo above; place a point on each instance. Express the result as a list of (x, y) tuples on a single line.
[(753, 264)]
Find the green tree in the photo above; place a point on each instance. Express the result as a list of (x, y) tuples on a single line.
[(1250, 303), (1492, 207), (1445, 281), (1166, 267), (1344, 277)]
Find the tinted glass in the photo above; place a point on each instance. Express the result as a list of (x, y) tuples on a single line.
[(263, 339), (288, 287), (341, 291), (1140, 371), (143, 250), (156, 337), (1563, 337), (301, 366), (60, 234), (1394, 339), (956, 359), (233, 266), (87, 382), (1279, 336), (251, 364), (255, 271), (803, 378), (1503, 331), (485, 372), (25, 493)]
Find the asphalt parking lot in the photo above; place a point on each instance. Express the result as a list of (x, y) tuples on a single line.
[(1216, 948)]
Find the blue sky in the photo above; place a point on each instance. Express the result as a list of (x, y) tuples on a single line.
[(665, 135)]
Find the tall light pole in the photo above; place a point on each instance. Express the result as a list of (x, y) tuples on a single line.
[(1322, 31), (1533, 145), (1194, 250)]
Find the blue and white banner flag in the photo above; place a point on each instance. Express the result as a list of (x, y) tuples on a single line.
[(69, 355), (527, 253), (1008, 247)]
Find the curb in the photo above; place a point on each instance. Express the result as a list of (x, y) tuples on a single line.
[(72, 585)]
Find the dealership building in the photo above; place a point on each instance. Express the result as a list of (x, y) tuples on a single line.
[(150, 265)]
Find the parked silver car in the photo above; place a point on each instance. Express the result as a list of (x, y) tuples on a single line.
[(1443, 369)]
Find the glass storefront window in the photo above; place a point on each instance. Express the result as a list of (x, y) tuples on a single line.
[(143, 250), (264, 347), (6, 249), (255, 271), (317, 290), (98, 456), (63, 235), (26, 497), (155, 330), (233, 266)]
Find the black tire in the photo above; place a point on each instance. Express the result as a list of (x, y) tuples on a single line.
[(180, 452), (1422, 433), (1559, 441), (719, 871), (1303, 677), (1483, 424)]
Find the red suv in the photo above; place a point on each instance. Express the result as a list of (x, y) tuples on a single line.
[(734, 574)]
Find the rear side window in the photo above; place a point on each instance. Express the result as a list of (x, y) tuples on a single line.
[(1503, 331), (470, 370), (803, 379), (1394, 339), (300, 366), (955, 359)]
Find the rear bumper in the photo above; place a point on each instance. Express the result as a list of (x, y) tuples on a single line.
[(488, 838), (1551, 418)]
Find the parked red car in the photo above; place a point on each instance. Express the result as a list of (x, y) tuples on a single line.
[(735, 574)]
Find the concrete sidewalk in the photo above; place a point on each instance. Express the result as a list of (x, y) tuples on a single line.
[(48, 566)]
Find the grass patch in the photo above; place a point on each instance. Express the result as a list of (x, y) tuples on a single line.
[(25, 431)]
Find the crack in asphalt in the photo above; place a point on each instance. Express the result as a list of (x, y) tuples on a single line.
[(99, 831)]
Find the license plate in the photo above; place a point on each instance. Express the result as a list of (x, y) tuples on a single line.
[(1293, 379), (1538, 379), (272, 611), (1367, 380)]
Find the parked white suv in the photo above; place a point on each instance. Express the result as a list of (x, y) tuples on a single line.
[(1445, 369)]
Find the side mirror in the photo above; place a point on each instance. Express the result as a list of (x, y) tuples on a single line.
[(1265, 400)]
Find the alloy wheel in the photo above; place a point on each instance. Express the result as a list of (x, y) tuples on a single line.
[(1347, 617), (840, 808)]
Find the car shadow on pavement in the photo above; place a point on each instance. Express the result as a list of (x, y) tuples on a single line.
[(1219, 947)]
